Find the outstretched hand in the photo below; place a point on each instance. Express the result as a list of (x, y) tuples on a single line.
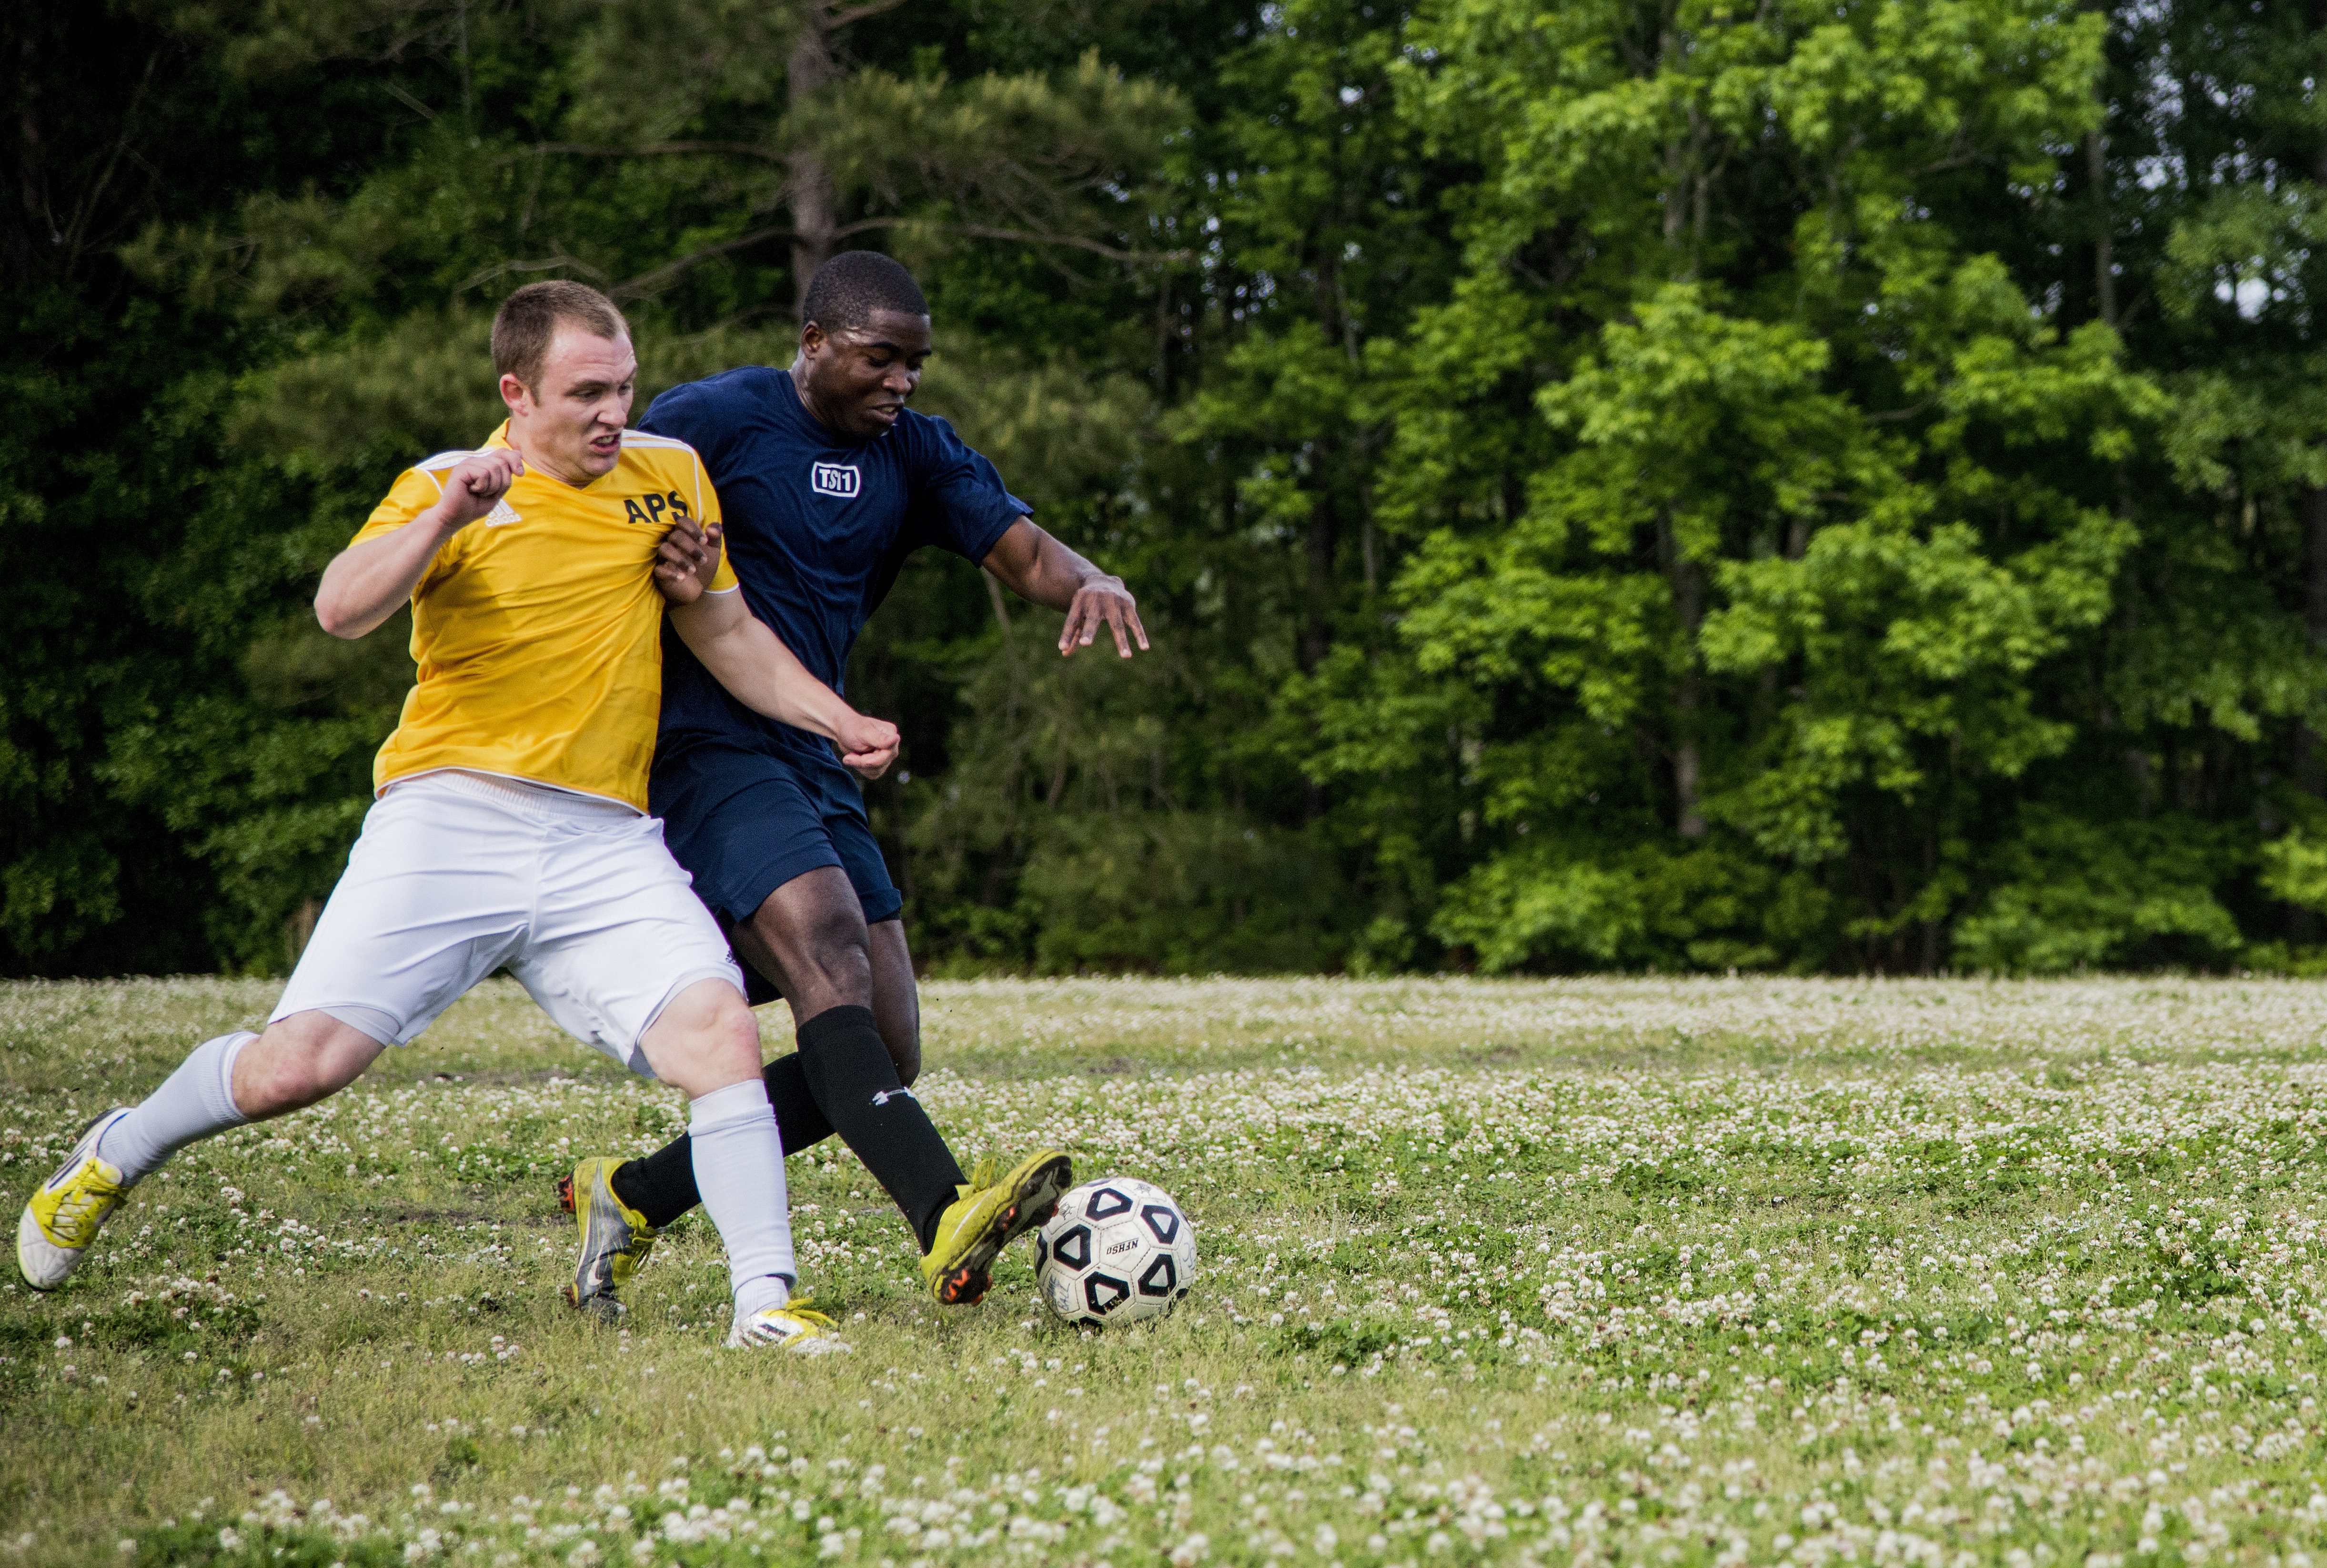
[(867, 745), (686, 561), (1102, 601)]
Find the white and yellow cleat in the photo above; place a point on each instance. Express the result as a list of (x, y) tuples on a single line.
[(791, 1327), (69, 1209)]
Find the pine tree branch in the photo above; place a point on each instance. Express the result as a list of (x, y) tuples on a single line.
[(647, 283), (840, 19), (1023, 237), (649, 150)]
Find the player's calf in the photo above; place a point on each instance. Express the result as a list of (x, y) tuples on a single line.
[(707, 1042)]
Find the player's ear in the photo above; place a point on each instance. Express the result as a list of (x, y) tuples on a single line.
[(812, 341), (514, 394)]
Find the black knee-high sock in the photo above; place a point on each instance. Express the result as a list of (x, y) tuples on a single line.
[(662, 1185), (856, 1087)]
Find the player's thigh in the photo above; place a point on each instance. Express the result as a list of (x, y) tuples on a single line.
[(810, 931), (817, 929), (618, 934), (434, 898)]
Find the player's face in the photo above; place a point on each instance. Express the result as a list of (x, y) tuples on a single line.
[(571, 424), (858, 378)]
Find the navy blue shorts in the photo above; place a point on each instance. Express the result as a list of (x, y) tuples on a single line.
[(745, 822)]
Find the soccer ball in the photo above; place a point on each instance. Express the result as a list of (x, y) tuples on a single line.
[(1116, 1252)]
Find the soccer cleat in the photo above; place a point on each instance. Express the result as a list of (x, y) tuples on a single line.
[(67, 1209), (616, 1238), (988, 1216), (791, 1327)]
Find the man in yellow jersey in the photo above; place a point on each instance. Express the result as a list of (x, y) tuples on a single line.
[(510, 826)]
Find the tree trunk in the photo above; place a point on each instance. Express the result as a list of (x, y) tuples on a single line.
[(1687, 579), (28, 243), (809, 70), (1317, 621), (2136, 758), (1317, 587), (2310, 766), (2104, 253), (2309, 771)]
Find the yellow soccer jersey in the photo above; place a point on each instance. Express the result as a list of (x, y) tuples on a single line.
[(538, 629)]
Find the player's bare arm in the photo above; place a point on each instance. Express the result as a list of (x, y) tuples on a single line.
[(1038, 568), (685, 566), (763, 675), (369, 583)]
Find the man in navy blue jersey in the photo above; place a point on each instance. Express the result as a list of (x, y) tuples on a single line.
[(828, 482)]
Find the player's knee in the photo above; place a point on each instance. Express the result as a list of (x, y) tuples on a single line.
[(285, 1082), (726, 1037), (838, 949), (295, 1063)]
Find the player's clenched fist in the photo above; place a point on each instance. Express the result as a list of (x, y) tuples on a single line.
[(476, 486), (867, 745), (686, 561)]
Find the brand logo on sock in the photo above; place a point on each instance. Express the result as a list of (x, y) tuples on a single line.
[(885, 1095)]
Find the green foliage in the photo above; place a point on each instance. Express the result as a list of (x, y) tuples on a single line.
[(2074, 895), (1614, 485)]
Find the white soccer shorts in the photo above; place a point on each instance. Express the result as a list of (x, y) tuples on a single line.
[(457, 875)]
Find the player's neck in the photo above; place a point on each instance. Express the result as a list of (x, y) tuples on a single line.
[(798, 376), (539, 460)]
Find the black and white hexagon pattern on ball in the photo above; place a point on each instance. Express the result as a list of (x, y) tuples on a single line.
[(1119, 1250)]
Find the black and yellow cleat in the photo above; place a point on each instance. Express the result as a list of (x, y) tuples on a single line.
[(616, 1238), (988, 1216)]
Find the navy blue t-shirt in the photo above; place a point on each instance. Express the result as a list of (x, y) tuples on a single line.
[(817, 525)]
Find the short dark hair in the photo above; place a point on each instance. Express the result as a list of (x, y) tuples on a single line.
[(526, 323), (854, 286)]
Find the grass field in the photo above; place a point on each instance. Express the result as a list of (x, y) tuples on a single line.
[(1650, 1271)]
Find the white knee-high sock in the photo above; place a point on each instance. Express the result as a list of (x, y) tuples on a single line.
[(739, 1169), (192, 1102)]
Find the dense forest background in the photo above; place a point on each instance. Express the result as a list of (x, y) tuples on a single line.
[(1614, 483)]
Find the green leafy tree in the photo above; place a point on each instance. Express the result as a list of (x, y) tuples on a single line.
[(1750, 492)]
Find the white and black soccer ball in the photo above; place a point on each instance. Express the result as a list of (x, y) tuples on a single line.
[(1116, 1252)]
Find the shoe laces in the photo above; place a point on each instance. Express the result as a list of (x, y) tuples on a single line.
[(811, 1324), (986, 1173), (797, 1307), (89, 1194)]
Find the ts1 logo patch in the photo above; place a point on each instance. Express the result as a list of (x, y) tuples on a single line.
[(834, 479)]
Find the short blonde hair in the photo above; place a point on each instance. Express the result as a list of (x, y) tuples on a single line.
[(526, 323)]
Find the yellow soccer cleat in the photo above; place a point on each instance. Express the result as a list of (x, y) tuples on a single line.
[(791, 1327), (69, 1209), (616, 1238), (988, 1216)]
